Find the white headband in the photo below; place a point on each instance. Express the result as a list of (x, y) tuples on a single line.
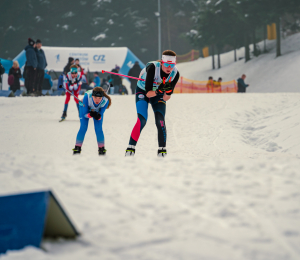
[(168, 59)]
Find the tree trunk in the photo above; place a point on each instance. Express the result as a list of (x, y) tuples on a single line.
[(213, 56), (247, 51), (234, 51), (219, 59), (265, 37), (278, 38), (235, 59), (254, 43)]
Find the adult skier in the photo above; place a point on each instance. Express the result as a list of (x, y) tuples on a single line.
[(72, 82), (160, 80), (95, 103)]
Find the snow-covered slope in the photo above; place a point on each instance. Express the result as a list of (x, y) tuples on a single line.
[(228, 190), (264, 73)]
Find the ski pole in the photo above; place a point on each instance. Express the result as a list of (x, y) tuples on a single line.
[(104, 71), (61, 86)]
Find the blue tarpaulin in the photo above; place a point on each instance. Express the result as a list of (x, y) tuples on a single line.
[(7, 64), (26, 218)]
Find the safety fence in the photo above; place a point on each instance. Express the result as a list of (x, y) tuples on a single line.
[(192, 55), (185, 85)]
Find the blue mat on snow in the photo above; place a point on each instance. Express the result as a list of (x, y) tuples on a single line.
[(26, 218)]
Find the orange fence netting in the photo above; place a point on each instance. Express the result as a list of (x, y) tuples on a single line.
[(185, 85)]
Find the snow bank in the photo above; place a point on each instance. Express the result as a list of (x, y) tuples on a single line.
[(228, 190), (265, 73)]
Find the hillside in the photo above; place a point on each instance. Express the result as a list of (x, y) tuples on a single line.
[(265, 73)]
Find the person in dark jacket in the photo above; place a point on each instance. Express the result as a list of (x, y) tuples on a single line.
[(241, 84), (40, 71), (2, 71), (67, 68), (115, 80), (31, 66), (16, 72), (134, 72)]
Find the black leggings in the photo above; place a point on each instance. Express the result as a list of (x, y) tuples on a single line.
[(159, 109)]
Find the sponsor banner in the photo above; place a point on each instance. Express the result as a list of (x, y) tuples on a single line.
[(92, 59)]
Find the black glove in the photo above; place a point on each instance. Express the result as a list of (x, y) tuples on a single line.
[(163, 87), (95, 115)]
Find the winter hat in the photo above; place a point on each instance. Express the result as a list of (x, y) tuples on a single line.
[(31, 42), (117, 67), (38, 41), (71, 59)]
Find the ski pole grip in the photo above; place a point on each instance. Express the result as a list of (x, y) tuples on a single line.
[(103, 71)]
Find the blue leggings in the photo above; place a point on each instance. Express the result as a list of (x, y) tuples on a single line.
[(84, 122)]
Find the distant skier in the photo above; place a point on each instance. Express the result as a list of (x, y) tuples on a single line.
[(165, 73), (95, 102), (72, 82)]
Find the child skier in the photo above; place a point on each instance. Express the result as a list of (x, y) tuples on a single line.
[(160, 80), (95, 103), (72, 82)]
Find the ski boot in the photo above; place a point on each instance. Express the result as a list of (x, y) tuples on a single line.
[(63, 117), (130, 151), (162, 152), (102, 151), (77, 150)]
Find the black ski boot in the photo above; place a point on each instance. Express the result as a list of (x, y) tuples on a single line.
[(162, 152), (102, 151), (77, 150), (63, 117), (130, 151)]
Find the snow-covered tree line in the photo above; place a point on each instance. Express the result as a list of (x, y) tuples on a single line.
[(235, 23)]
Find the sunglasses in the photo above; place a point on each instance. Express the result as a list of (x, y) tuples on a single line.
[(73, 72), (167, 65)]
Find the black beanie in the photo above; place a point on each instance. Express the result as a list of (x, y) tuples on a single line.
[(31, 42), (38, 41), (71, 59)]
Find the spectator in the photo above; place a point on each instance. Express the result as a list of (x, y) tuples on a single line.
[(115, 80), (15, 72), (134, 72), (210, 84), (105, 85), (31, 66), (218, 83), (42, 64), (2, 71), (97, 80), (47, 81), (25, 76), (241, 84), (79, 68), (67, 68)]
